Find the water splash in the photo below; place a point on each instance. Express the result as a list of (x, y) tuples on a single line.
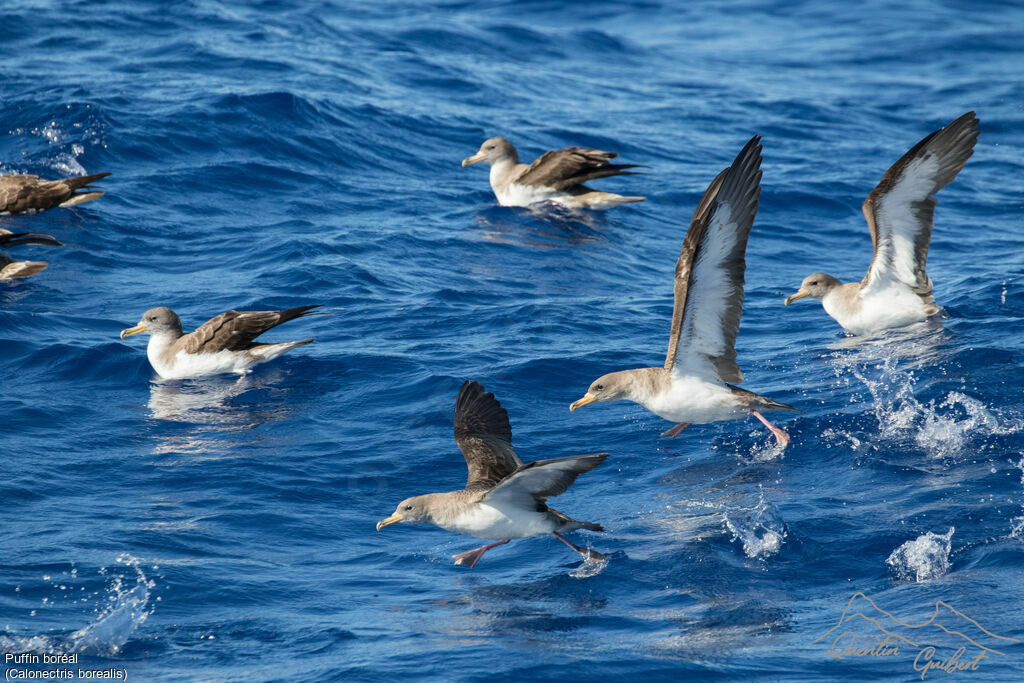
[(125, 610), (1017, 528), (759, 528), (924, 558), (589, 568), (943, 428)]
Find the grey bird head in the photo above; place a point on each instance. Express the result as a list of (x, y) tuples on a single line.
[(815, 286), (412, 510), (156, 322), (492, 151), (614, 386)]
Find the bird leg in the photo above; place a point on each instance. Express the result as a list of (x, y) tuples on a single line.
[(471, 557), (780, 436), (675, 431), (589, 555)]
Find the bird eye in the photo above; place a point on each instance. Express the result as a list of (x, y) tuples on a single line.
[(408, 507), (490, 146), (598, 387)]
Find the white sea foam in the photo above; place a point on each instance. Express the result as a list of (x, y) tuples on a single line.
[(924, 558)]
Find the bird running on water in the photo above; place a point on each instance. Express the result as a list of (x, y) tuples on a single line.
[(896, 290), (221, 344), (24, 193), (692, 387), (557, 176), (503, 498)]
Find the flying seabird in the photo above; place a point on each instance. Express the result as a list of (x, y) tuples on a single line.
[(9, 268), (692, 386), (221, 344), (503, 498), (31, 193), (557, 176), (896, 290)]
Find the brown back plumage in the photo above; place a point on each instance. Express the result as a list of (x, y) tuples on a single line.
[(737, 187), (31, 193), (236, 330), (951, 147), (484, 436), (572, 166)]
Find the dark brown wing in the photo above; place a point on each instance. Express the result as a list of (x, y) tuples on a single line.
[(13, 239), (710, 271), (572, 166), (899, 210), (236, 330), (484, 436), (32, 193)]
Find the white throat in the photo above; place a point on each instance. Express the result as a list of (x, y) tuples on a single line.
[(501, 174), (158, 344)]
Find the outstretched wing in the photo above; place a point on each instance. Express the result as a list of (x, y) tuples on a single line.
[(484, 436), (545, 478), (709, 273), (899, 210), (236, 330), (572, 166)]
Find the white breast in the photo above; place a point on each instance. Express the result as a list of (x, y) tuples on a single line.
[(695, 400), (483, 520), (894, 306), (525, 195), (185, 365)]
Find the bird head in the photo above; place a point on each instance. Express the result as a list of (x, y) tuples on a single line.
[(493, 151), (815, 286)]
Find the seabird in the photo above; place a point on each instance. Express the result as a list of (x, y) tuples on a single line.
[(20, 193), (557, 176), (221, 344), (693, 386), (896, 290), (9, 268), (503, 498)]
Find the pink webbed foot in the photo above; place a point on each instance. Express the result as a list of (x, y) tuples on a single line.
[(471, 557), (589, 555), (780, 436), (675, 431)]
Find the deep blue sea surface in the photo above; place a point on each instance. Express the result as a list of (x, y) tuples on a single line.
[(277, 153)]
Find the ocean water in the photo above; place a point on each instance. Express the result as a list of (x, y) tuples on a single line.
[(285, 152)]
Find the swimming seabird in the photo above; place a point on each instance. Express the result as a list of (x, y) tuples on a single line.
[(896, 290), (692, 386), (221, 344), (31, 193), (557, 176), (9, 268), (503, 498)]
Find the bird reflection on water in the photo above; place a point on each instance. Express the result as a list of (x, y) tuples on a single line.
[(214, 413)]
